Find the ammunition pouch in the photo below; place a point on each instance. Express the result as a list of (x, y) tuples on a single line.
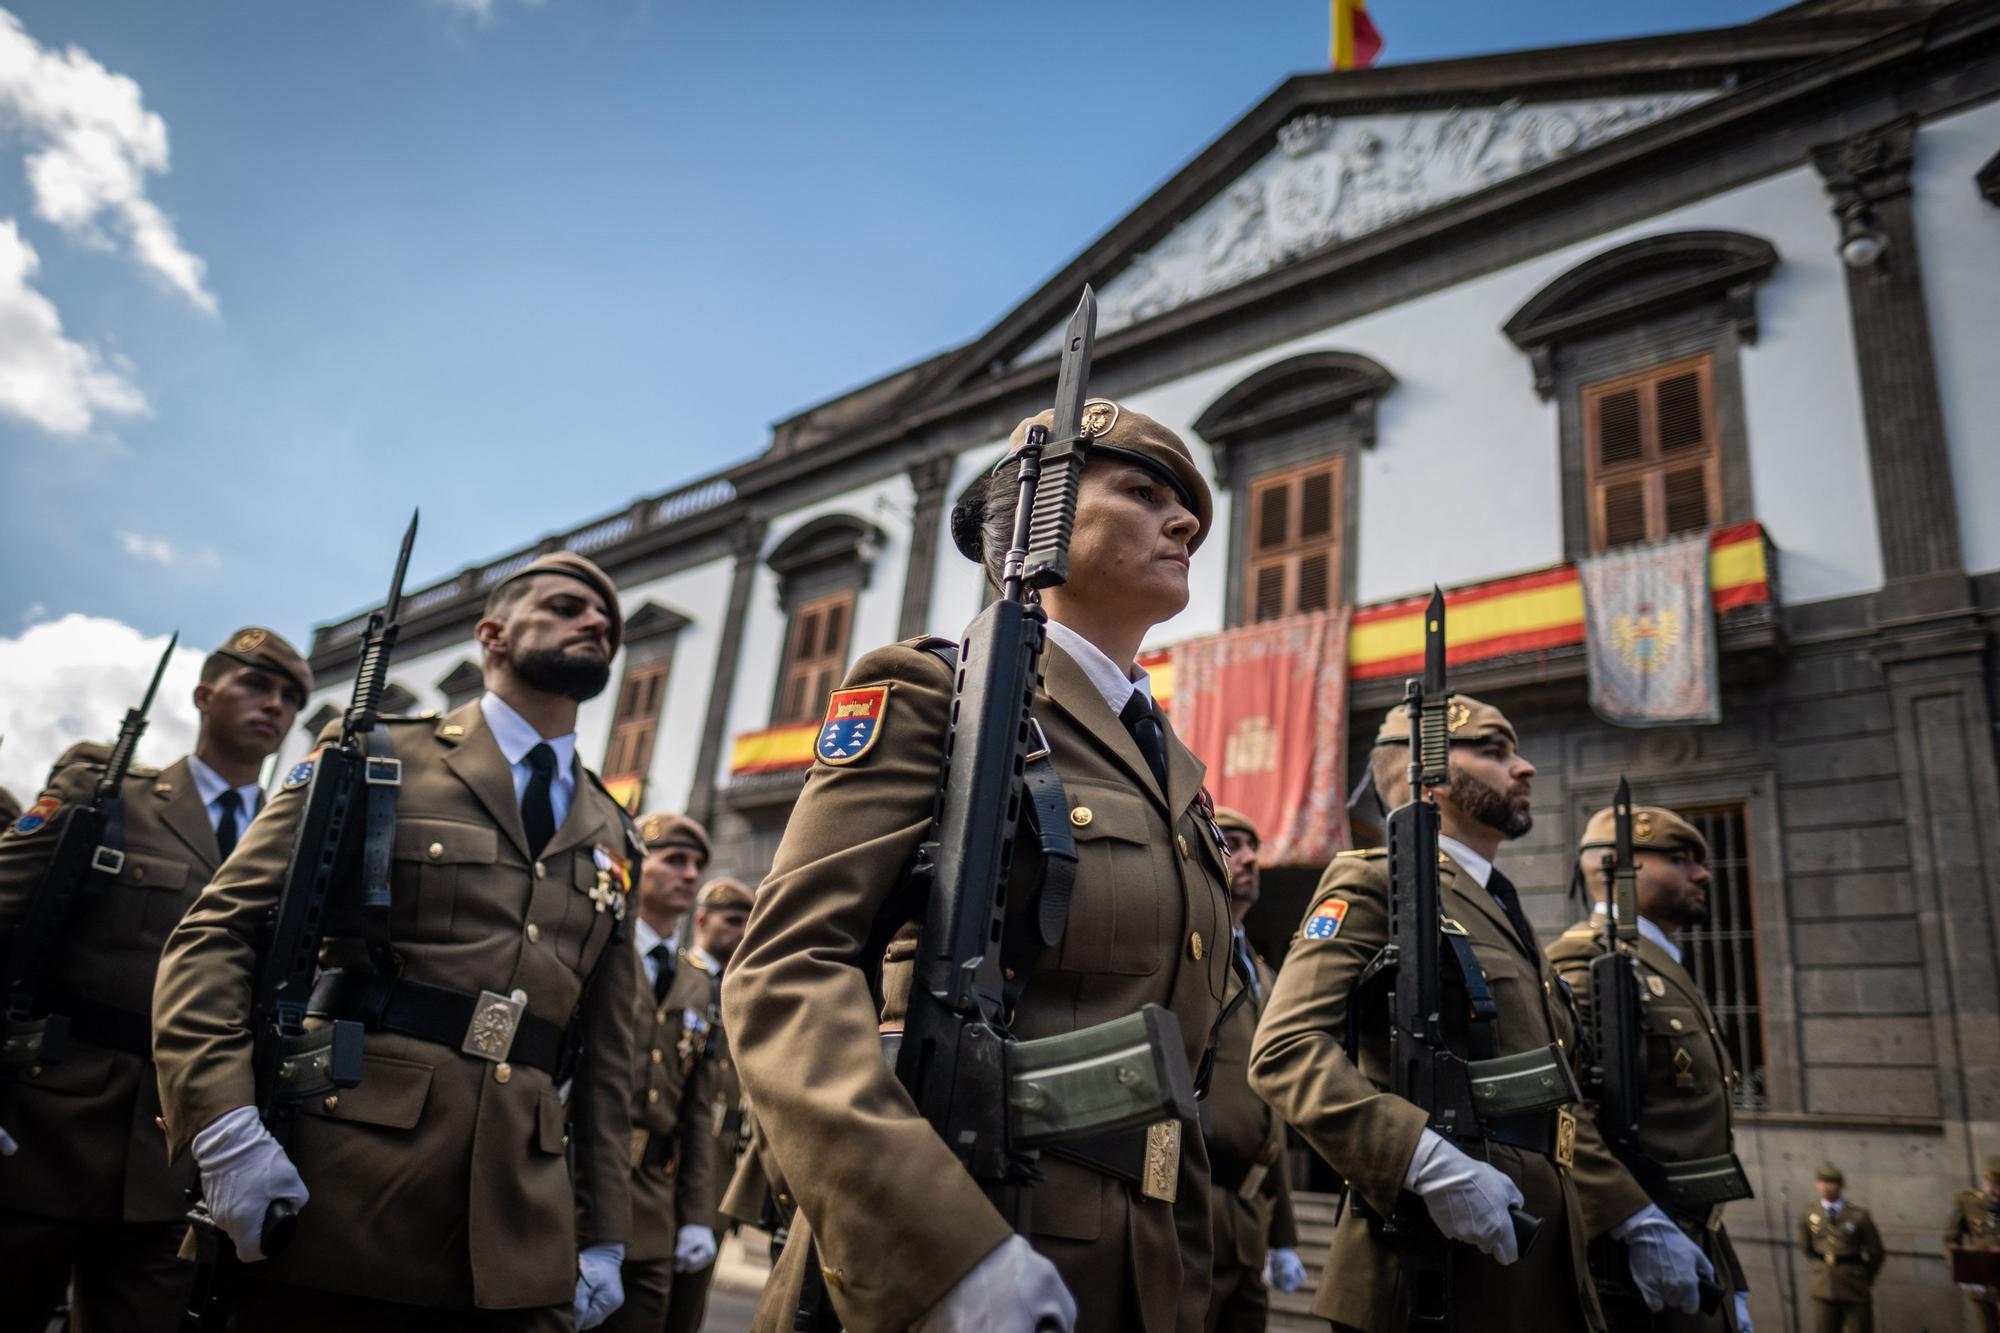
[(485, 1026), (1692, 1188)]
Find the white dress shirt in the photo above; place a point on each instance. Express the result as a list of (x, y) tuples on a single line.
[(1109, 678), (516, 736), (210, 785), (1471, 862), (1650, 931)]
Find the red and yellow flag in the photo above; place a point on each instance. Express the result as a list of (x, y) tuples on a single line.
[(1355, 42)]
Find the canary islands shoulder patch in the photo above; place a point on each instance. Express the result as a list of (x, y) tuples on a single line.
[(302, 772), (1324, 923), (35, 818), (853, 724)]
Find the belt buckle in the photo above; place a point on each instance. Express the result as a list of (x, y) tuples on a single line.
[(1565, 1137), (1161, 1177), (495, 1018)]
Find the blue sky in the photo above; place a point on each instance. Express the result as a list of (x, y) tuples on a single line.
[(520, 267)]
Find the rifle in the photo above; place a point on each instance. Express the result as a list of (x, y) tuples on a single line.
[(1458, 1094), (89, 852), (347, 787)]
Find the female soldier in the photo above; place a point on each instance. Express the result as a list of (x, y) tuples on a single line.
[(905, 1238)]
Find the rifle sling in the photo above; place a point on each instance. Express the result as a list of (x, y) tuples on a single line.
[(378, 845), (111, 837), (1482, 1014)]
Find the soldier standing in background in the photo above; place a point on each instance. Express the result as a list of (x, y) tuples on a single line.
[(89, 1197), (720, 911), (1250, 1201), (675, 1175), (453, 1187), (1974, 1224), (1846, 1252), (1690, 1078)]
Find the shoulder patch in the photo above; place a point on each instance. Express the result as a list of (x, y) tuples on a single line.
[(302, 772), (35, 818), (853, 724), (1325, 922)]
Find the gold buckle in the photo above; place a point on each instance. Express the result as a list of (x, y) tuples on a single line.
[(490, 1034), (1161, 1178), (1565, 1138)]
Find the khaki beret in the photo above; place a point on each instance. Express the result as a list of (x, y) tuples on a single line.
[(573, 566), (1654, 829), (1993, 1168), (1121, 433), (266, 649), (1466, 719), (669, 829), (1828, 1171), (1227, 819), (722, 893)]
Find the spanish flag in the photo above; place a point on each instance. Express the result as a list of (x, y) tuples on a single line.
[(1355, 42)]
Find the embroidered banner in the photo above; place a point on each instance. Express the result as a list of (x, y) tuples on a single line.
[(1651, 634), (1266, 709)]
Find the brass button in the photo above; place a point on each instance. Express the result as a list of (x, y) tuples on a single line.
[(541, 871), (139, 874), (436, 850), (1181, 838), (835, 1277), (331, 1101), (652, 1095), (161, 1121), (565, 1140), (658, 1057), (34, 1071), (784, 1199), (502, 1072), (534, 932), (1545, 987), (1674, 1023), (1559, 1044), (1081, 816), (1194, 945)]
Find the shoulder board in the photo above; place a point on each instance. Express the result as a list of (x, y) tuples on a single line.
[(83, 752), (929, 642), (1366, 853), (404, 719)]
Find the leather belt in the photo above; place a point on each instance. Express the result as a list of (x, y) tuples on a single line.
[(1228, 1173), (486, 1026), (101, 1025), (1534, 1131)]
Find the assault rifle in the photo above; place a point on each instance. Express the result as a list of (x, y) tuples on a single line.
[(89, 853), (1459, 1094), (347, 788)]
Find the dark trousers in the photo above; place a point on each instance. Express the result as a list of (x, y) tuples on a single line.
[(126, 1275), (279, 1307), (688, 1303), (1843, 1316), (1238, 1300), (649, 1285)]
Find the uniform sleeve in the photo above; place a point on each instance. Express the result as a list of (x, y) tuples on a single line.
[(1298, 1062), (201, 994), (24, 857), (895, 1215), (698, 1187), (601, 1098)]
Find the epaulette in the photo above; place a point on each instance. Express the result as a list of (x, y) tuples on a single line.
[(428, 715), (930, 641), (1365, 853), (95, 754)]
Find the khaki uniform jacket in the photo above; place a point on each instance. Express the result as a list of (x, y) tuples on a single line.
[(1973, 1224), (673, 1084), (1689, 1106), (1368, 1134), (440, 1180), (1243, 1131), (91, 1147), (756, 1176), (898, 1221), (1846, 1252)]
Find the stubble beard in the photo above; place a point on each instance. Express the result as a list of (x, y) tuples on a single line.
[(553, 671)]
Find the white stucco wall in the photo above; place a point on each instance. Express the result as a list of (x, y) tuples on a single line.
[(1959, 233), (701, 594)]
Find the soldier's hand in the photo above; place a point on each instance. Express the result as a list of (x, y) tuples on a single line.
[(1284, 1271), (7, 1145), (1012, 1290), (1467, 1199), (244, 1172), (694, 1249), (1667, 1267), (599, 1288)]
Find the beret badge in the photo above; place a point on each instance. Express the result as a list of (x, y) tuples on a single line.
[(1099, 416), (249, 641)]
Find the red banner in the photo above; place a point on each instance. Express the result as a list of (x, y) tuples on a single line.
[(1265, 707)]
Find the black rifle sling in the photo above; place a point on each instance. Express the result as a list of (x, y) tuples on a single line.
[(382, 777), (1481, 1014), (110, 837)]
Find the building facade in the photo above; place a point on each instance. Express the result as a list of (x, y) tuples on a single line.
[(1466, 323)]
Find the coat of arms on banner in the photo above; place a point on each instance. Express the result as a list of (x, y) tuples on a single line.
[(1650, 629)]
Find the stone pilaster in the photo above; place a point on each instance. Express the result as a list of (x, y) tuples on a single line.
[(930, 476), (747, 546)]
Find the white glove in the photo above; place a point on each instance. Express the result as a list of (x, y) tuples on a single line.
[(7, 1145), (694, 1249), (1743, 1313), (599, 1290), (1665, 1264), (1011, 1290), (244, 1172), (1283, 1271), (1467, 1199), (1973, 1289)]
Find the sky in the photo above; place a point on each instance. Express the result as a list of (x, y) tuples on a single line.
[(272, 275)]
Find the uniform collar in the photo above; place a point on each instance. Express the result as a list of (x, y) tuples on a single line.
[(1471, 862), (1106, 676), (515, 735), (705, 960), (645, 937), (210, 785), (1651, 932)]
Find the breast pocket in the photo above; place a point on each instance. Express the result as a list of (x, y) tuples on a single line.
[(1116, 912), (430, 857), (1671, 1033), (148, 900), (1517, 997)]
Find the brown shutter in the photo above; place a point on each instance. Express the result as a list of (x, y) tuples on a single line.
[(1618, 434), (1293, 557), (1687, 499), (1650, 453), (1683, 425), (1624, 513)]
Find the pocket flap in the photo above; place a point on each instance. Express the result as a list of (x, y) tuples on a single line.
[(1671, 1020), (391, 1093), (1107, 812), (153, 872), (446, 842), (81, 1073)]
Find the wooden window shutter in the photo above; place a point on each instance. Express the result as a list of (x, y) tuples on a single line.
[(636, 724), (1650, 453), (815, 659), (1293, 556)]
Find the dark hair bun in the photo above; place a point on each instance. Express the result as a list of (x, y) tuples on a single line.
[(968, 523)]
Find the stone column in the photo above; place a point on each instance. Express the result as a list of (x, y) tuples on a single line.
[(930, 476), (747, 546)]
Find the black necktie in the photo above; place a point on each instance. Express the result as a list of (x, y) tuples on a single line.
[(1503, 893), (538, 815), (663, 971), (1142, 719), (231, 802), (1249, 967)]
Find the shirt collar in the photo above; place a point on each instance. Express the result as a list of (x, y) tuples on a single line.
[(515, 735), (1471, 862), (210, 785), (1651, 932), (644, 936), (1106, 675), (709, 962)]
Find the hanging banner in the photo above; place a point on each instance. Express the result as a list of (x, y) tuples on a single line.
[(1651, 634), (1265, 707)]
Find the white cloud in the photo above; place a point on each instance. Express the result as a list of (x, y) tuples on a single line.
[(163, 552), (93, 144), (72, 679), (480, 11), (47, 379)]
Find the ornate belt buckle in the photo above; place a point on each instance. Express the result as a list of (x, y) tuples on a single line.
[(490, 1034), (1565, 1138), (1161, 1177)]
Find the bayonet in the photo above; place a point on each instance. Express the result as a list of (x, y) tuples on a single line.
[(378, 643), (1059, 455)]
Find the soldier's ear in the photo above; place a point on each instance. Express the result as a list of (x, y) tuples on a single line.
[(490, 634), (203, 693)]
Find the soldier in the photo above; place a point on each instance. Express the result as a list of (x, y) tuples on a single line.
[(443, 1182), (1974, 1224), (1690, 1077), (720, 911), (1250, 1202), (1846, 1252), (905, 1237), (1382, 1145), (675, 1175), (89, 1198)]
